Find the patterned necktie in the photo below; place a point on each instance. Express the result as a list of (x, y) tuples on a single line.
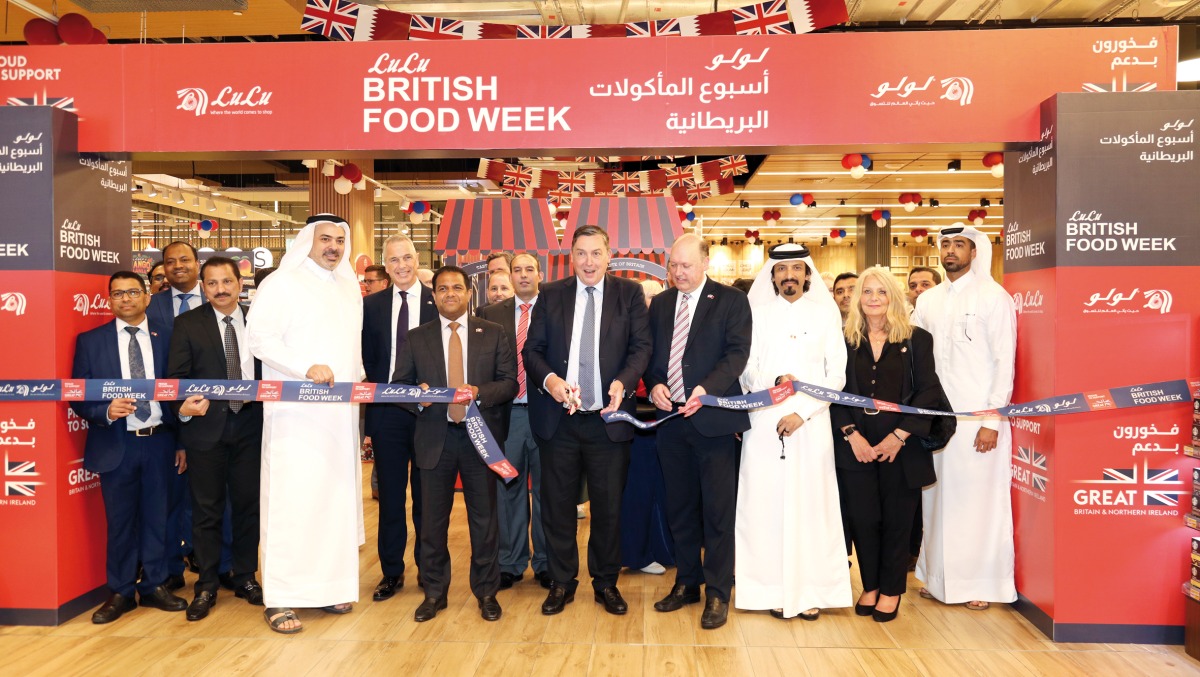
[(587, 354), (233, 360), (402, 322), (137, 370), (683, 322), (522, 333), (185, 303), (457, 411)]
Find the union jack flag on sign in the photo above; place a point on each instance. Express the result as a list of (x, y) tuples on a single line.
[(543, 32), (1153, 484), (434, 28), (66, 103), (652, 29), (17, 476), (335, 19), (769, 18), (1123, 86)]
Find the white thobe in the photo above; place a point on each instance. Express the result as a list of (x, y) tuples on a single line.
[(967, 552), (311, 485), (791, 553)]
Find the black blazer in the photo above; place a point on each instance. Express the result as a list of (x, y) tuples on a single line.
[(98, 357), (718, 346), (377, 341), (198, 352), (491, 367), (624, 349), (913, 458)]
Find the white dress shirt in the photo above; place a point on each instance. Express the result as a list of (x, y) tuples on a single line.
[(414, 316), (143, 339)]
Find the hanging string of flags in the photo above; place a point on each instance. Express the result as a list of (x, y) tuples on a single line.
[(351, 21), (684, 184)]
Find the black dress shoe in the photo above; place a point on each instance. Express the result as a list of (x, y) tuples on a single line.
[(429, 609), (174, 583), (250, 591), (226, 580), (543, 578), (864, 609), (679, 596), (716, 612), (886, 616), (199, 607), (613, 602), (162, 598), (190, 560), (489, 608), (778, 613), (810, 617), (507, 579), (113, 609), (387, 588), (557, 600)]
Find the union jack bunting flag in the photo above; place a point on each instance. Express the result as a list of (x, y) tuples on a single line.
[(575, 182), (699, 191), (652, 29), (517, 174), (768, 18), (543, 32), (434, 28), (734, 165), (335, 19), (681, 177), (626, 182)]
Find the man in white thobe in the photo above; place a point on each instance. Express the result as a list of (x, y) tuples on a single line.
[(967, 555), (791, 552), (306, 326)]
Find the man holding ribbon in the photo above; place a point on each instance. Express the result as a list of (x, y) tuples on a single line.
[(457, 351), (790, 544), (701, 332), (306, 326), (968, 550), (588, 333)]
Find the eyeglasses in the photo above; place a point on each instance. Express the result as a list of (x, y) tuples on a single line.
[(158, 278), (122, 293), (370, 281)]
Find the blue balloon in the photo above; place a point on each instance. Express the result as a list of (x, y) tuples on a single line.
[(841, 232), (796, 199), (206, 225), (867, 161), (887, 215), (691, 216)]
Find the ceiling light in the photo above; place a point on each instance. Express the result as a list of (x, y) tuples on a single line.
[(1188, 71), (954, 165), (179, 198), (242, 213), (195, 201), (150, 190), (744, 205), (933, 202), (212, 205), (984, 202), (842, 203), (310, 164), (328, 169)]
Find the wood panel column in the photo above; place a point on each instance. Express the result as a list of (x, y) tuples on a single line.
[(357, 207)]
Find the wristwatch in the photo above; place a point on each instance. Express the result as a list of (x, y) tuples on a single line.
[(848, 431)]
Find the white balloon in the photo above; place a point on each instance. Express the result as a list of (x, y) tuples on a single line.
[(858, 172), (998, 170), (562, 223), (343, 186), (771, 223), (686, 208), (205, 234), (978, 221), (802, 207), (416, 218), (881, 222), (910, 206)]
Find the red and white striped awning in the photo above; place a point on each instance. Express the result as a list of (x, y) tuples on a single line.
[(633, 223), (488, 225)]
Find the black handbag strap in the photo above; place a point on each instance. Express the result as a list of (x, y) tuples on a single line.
[(912, 371)]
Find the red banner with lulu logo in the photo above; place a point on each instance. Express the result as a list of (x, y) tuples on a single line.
[(703, 92)]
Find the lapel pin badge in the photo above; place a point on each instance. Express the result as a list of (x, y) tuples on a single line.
[(710, 296)]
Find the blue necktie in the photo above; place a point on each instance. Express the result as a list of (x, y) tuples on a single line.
[(137, 369), (587, 353), (184, 303)]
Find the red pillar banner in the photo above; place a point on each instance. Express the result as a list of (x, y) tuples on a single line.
[(1101, 256), (63, 229)]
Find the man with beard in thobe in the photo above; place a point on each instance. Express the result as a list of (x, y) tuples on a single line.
[(968, 549), (306, 326), (790, 545)]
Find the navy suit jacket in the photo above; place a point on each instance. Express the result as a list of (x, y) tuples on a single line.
[(198, 352), (97, 357), (377, 341), (718, 345), (624, 349)]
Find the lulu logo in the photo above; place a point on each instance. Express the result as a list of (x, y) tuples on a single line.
[(955, 90), (196, 100), (1028, 302), (1131, 302), (13, 302), (95, 305)]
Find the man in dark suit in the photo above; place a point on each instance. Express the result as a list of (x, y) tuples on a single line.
[(223, 438), (590, 331), (458, 351), (182, 266), (520, 448), (701, 335), (132, 447), (388, 316)]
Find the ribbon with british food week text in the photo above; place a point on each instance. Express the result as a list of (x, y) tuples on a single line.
[(1125, 397), (70, 390)]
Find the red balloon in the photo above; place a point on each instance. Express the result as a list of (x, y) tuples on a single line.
[(992, 159), (75, 29), (352, 172), (41, 32), (905, 198), (834, 233), (916, 197), (776, 215), (99, 38), (766, 216), (808, 198), (982, 213), (971, 214), (877, 214), (852, 160), (682, 216)]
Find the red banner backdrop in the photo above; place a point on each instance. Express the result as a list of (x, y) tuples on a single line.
[(706, 92)]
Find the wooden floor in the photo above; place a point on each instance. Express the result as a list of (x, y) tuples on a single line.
[(381, 638)]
